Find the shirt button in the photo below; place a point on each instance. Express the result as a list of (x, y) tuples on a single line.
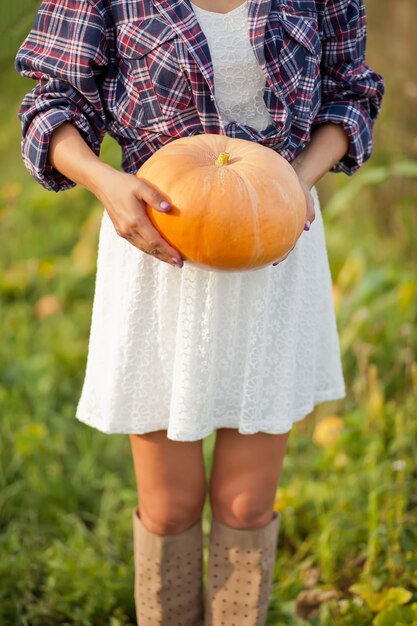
[(211, 97)]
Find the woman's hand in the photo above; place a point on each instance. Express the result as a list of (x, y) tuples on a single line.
[(329, 143), (310, 211), (124, 197)]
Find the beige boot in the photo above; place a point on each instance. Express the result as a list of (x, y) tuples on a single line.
[(168, 576), (239, 574)]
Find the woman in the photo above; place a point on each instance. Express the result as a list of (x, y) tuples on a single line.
[(175, 351)]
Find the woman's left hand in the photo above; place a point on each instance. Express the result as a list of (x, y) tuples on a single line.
[(310, 211)]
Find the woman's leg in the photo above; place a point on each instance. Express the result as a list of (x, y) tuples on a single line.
[(167, 530), (244, 476), (244, 531), (170, 480)]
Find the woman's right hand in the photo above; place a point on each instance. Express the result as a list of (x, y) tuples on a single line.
[(124, 197)]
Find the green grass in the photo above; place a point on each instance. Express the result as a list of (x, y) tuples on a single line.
[(348, 500)]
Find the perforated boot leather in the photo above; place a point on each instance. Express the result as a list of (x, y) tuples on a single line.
[(168, 587), (240, 573)]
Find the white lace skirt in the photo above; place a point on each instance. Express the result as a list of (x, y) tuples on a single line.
[(190, 350)]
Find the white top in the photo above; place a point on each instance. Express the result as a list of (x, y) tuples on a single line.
[(236, 68), (190, 350)]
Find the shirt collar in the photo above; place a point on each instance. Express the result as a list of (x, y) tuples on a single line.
[(181, 15)]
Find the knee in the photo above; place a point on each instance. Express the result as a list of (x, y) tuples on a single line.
[(170, 515), (240, 508)]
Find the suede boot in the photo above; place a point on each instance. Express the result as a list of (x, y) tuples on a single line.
[(168, 576), (239, 574)]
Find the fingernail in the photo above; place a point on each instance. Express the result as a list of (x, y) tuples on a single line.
[(307, 225), (164, 205), (178, 262)]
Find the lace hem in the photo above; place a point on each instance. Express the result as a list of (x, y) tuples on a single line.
[(125, 427)]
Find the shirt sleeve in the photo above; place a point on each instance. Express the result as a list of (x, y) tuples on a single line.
[(66, 53), (351, 91)]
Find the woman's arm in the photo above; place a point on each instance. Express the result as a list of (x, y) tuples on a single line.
[(351, 91), (64, 122), (342, 137), (67, 53), (329, 143), (124, 195)]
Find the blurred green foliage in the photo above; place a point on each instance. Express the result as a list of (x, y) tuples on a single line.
[(348, 546)]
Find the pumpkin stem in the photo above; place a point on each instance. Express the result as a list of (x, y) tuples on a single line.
[(223, 158)]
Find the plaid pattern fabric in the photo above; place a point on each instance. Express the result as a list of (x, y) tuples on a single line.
[(141, 71)]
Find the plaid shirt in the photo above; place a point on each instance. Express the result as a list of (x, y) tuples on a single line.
[(141, 70)]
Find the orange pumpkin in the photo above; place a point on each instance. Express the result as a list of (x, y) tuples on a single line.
[(235, 204)]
